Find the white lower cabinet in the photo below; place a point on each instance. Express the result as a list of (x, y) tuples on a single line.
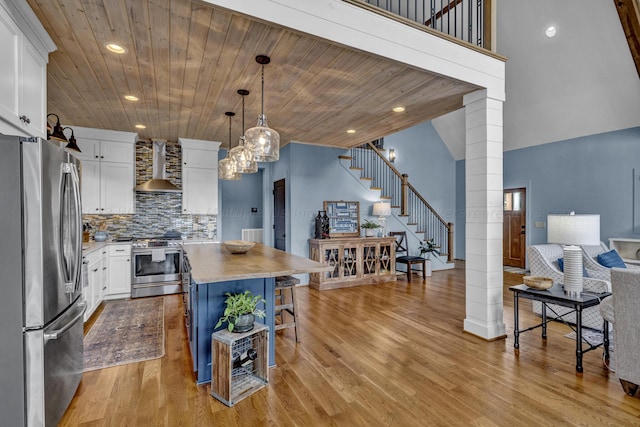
[(119, 272), (98, 276)]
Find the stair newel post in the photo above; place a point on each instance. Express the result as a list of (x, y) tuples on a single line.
[(450, 242), (404, 198)]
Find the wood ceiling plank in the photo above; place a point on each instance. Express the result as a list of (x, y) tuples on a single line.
[(198, 31), (179, 45), (159, 17)]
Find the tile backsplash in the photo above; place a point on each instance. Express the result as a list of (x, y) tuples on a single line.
[(156, 213)]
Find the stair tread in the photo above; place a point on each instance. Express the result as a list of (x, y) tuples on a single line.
[(345, 157), (365, 178), (353, 168), (376, 188)]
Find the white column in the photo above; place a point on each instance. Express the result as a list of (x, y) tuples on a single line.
[(484, 309)]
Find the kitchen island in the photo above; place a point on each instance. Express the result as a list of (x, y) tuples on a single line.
[(215, 271)]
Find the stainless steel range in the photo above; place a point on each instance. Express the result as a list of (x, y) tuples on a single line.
[(157, 266)]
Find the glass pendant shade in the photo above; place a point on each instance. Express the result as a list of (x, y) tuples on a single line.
[(243, 158), (227, 169), (261, 140)]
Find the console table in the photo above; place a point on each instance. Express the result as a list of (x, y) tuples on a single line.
[(353, 261), (556, 295)]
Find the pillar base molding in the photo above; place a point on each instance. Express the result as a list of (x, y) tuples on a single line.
[(489, 332)]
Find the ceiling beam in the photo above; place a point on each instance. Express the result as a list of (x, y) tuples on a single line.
[(629, 13)]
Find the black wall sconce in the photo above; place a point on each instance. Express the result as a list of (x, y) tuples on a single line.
[(57, 131), (72, 145)]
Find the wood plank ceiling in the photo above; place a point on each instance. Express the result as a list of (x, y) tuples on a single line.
[(185, 61)]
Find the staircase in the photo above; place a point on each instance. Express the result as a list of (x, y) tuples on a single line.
[(371, 167)]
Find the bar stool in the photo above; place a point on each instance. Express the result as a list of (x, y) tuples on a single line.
[(284, 284)]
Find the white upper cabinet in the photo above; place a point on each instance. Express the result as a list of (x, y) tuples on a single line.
[(24, 49), (199, 176), (108, 170)]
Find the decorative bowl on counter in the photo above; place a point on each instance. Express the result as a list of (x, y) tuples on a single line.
[(238, 246)]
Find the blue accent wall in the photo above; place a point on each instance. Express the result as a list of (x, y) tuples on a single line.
[(588, 175), (591, 174), (431, 168), (315, 174), (238, 197)]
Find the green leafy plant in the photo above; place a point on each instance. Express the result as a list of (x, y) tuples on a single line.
[(239, 304), (428, 247), (369, 224)]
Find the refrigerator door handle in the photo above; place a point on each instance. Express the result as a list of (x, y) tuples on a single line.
[(70, 226), (55, 334)]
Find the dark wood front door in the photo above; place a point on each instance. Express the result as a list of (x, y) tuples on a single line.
[(279, 215), (514, 237)]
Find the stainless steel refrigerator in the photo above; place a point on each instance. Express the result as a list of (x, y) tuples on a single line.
[(41, 309)]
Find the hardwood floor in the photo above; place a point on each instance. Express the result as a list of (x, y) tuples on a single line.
[(389, 354)]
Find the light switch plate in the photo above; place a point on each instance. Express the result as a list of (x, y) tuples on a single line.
[(540, 224)]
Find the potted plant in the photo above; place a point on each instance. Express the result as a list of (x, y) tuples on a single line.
[(240, 311), (369, 227), (428, 247)]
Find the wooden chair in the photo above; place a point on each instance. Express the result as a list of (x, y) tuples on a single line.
[(401, 246)]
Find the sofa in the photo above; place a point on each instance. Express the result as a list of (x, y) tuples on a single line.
[(621, 310), (543, 261)]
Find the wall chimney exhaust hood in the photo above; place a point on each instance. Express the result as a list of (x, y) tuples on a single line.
[(158, 183)]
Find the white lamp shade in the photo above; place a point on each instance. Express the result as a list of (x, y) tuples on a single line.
[(381, 209), (571, 229)]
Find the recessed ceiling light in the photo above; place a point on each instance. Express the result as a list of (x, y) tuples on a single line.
[(351, 131), (115, 48), (141, 126), (131, 98), (398, 109), (551, 32)]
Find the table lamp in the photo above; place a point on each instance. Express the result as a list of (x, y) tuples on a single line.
[(382, 209), (571, 230)]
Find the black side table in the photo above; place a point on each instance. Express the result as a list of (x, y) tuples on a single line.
[(556, 295)]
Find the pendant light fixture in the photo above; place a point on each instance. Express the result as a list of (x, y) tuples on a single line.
[(226, 168), (261, 140), (240, 155)]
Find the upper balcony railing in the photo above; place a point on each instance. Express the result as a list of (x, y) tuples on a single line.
[(468, 20)]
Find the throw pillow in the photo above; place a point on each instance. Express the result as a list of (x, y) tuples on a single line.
[(611, 259), (561, 267)]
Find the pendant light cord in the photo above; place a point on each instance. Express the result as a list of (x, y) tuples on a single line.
[(262, 112), (243, 115), (229, 132)]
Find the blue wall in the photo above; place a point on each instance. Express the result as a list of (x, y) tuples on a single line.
[(238, 197), (592, 174), (315, 174)]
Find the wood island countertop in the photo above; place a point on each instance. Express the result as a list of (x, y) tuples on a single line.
[(212, 263)]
